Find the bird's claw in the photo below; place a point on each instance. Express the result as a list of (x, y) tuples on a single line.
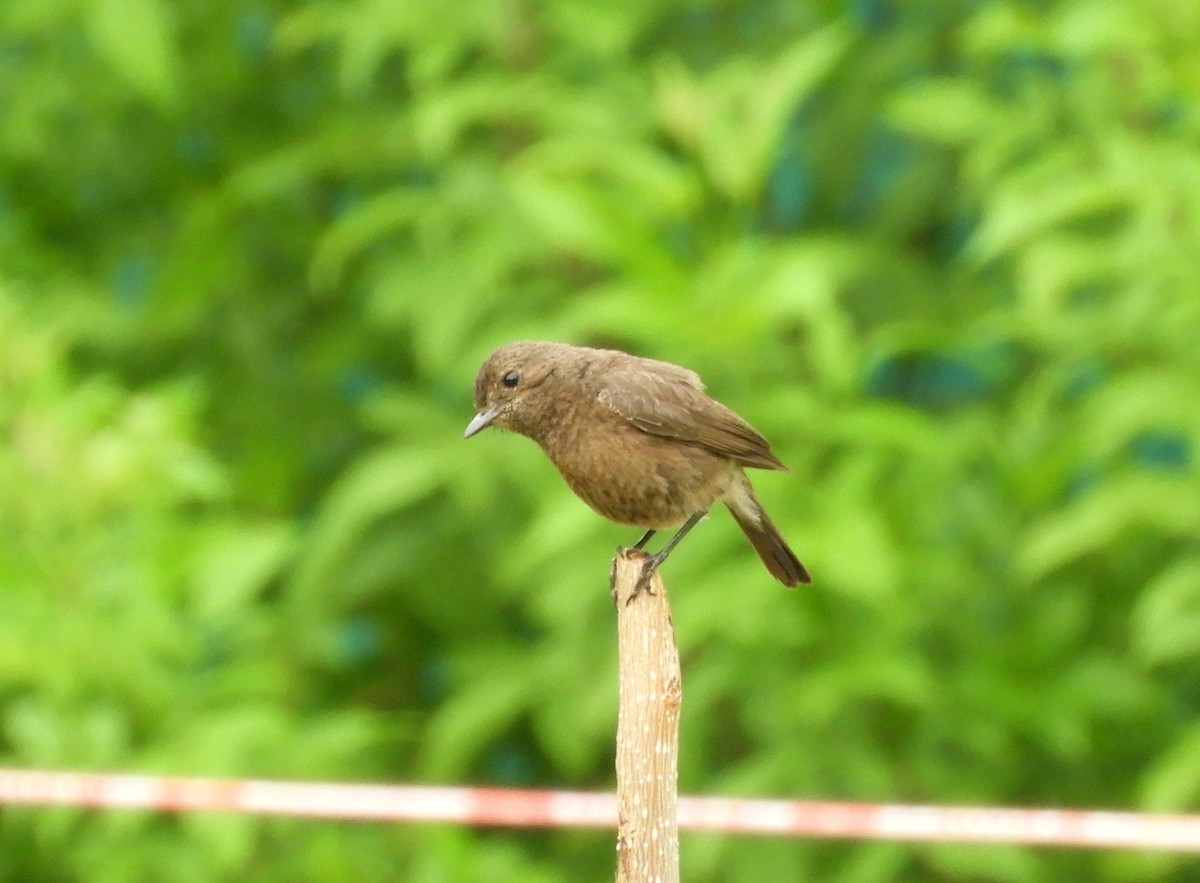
[(643, 580), (649, 565)]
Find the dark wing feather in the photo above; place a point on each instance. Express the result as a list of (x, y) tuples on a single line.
[(666, 400)]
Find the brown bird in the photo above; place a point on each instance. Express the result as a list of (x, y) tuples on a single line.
[(637, 439)]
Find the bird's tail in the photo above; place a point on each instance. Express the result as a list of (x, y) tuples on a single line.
[(766, 539)]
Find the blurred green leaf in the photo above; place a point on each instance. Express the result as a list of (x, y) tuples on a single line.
[(1057, 190), (735, 115), (393, 478), (234, 566), (951, 112), (476, 716), (136, 37), (1096, 523), (1172, 783), (1165, 624), (356, 230)]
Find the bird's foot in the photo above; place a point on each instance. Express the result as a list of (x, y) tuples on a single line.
[(649, 565)]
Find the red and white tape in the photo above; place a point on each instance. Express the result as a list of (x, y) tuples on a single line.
[(513, 807)]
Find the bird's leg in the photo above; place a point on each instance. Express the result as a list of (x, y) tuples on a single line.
[(651, 564), (645, 539)]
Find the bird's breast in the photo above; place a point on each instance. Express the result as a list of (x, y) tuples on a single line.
[(632, 477)]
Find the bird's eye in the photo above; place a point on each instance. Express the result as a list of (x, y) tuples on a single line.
[(511, 379)]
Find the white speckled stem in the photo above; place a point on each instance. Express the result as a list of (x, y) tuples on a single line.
[(647, 729)]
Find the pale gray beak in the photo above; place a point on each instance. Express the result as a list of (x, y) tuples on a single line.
[(481, 421)]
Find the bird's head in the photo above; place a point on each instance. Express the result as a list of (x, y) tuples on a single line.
[(509, 388)]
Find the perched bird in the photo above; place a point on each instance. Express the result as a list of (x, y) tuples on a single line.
[(637, 439)]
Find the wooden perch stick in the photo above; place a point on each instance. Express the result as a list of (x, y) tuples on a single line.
[(647, 728)]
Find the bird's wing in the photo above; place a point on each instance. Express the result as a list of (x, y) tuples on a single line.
[(669, 401)]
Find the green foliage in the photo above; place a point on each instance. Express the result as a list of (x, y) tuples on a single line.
[(941, 253)]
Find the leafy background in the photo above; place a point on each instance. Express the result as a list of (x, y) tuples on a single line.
[(944, 253)]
